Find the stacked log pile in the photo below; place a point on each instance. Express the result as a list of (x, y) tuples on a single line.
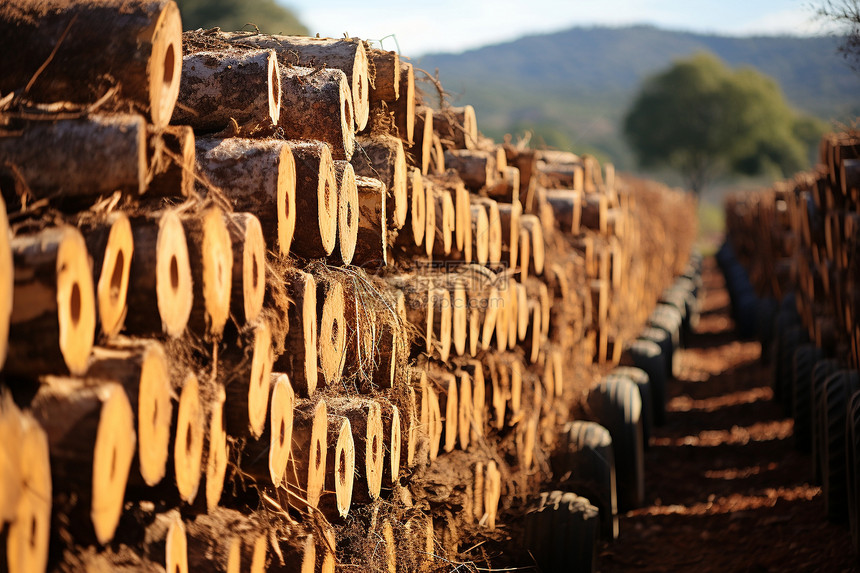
[(264, 308)]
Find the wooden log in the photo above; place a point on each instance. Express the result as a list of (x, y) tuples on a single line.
[(392, 437), (249, 267), (525, 254), (371, 247), (502, 314), (512, 303), (340, 468), (172, 166), (346, 54), (52, 324), (435, 422), (216, 450), (492, 494), (135, 48), (317, 104), (437, 156), (445, 386), (91, 438), (404, 111), (265, 459), (510, 370), (507, 186), (332, 331), (420, 310), (188, 433), (26, 492), (384, 76), (300, 347), (420, 150), (226, 540), (446, 221), (534, 336), (210, 255), (220, 88), (524, 312), (463, 214), (141, 368), (442, 322), (494, 228), (248, 384), (160, 276), (365, 418), (509, 216), (382, 157), (566, 206), (7, 282), (86, 158), (456, 127), (594, 212), (316, 198), (348, 212), (476, 167), (258, 176), (417, 195), (465, 409), (480, 234), (307, 467), (849, 176), (410, 427), (111, 245), (532, 224)]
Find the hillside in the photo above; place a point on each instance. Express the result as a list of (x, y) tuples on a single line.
[(573, 87)]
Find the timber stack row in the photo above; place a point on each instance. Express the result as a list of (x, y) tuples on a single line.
[(264, 308), (793, 269)]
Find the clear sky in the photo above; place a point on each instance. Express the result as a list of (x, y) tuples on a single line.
[(457, 25)]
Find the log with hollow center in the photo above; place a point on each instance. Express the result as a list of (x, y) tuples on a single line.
[(404, 111), (348, 211), (446, 221), (210, 254), (382, 157), (249, 267), (340, 468), (299, 359), (365, 418), (345, 54), (247, 386), (417, 196), (392, 442), (423, 138), (136, 47), (317, 104), (265, 458), (160, 276), (141, 367), (52, 325), (316, 198), (371, 245), (257, 176), (332, 331), (229, 86), (456, 127), (494, 229), (91, 436), (307, 467), (111, 245), (188, 434)]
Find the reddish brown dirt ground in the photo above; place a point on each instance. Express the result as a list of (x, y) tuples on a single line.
[(725, 489)]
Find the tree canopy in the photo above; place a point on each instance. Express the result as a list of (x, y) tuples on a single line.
[(230, 15), (703, 119)]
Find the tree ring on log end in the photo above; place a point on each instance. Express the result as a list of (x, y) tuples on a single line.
[(261, 373), (344, 470), (165, 65), (154, 414), (360, 91), (274, 84), (76, 305), (317, 454), (418, 205), (253, 269), (374, 455), (173, 275), (217, 272), (309, 328), (112, 285), (348, 209), (286, 200), (332, 333), (281, 426), (112, 456), (327, 198), (188, 446), (347, 118)]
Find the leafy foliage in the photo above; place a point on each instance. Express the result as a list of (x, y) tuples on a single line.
[(703, 119), (230, 15)]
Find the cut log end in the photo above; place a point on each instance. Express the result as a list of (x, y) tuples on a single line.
[(261, 372), (112, 286), (216, 458), (348, 210), (341, 463), (360, 88), (249, 267), (332, 333), (188, 444), (165, 65), (286, 200), (75, 300), (281, 427), (213, 278), (176, 547), (418, 205), (173, 276), (317, 453), (154, 412)]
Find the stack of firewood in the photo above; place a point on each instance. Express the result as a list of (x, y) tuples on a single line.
[(262, 307)]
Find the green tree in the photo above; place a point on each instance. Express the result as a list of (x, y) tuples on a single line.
[(230, 15), (704, 119)]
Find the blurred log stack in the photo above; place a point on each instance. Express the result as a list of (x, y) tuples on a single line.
[(263, 307)]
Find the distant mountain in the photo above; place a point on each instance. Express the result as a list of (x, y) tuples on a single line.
[(572, 88)]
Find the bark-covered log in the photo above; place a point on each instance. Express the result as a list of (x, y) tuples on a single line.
[(316, 198), (477, 168), (216, 449), (134, 46), (347, 212), (346, 54), (210, 255), (445, 386), (480, 234), (525, 256), (365, 419), (257, 176), (25, 502), (420, 150), (172, 166), (111, 245), (299, 359), (53, 320), (91, 436), (248, 384), (160, 276), (382, 157), (418, 302), (141, 368), (307, 467), (317, 104), (456, 127), (392, 436), (7, 281), (384, 75), (77, 159), (509, 216), (532, 224), (404, 111), (445, 217), (227, 541), (371, 246), (417, 197), (249, 267), (567, 207), (224, 87)]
